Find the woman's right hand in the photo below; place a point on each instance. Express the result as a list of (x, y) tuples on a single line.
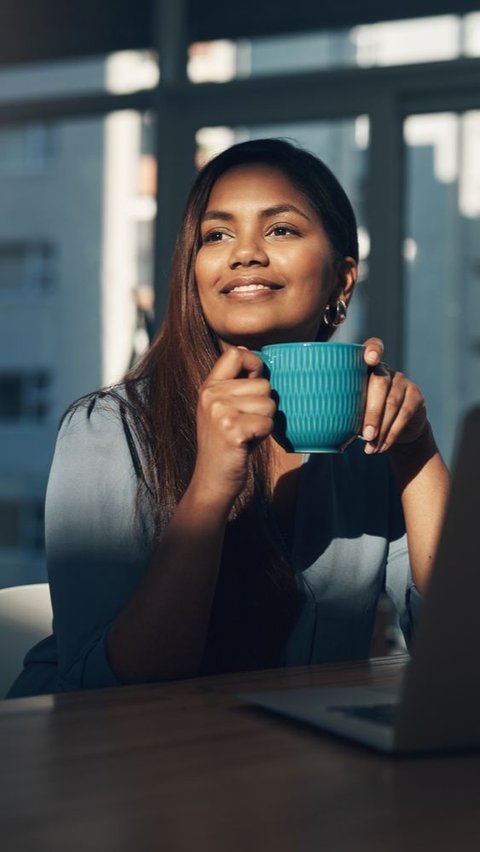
[(234, 413)]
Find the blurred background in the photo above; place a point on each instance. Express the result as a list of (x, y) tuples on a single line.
[(107, 108)]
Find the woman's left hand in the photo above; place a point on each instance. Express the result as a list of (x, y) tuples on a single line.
[(395, 409)]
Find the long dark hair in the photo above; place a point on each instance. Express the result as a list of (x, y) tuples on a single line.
[(162, 390)]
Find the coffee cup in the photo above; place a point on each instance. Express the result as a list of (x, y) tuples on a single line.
[(320, 391)]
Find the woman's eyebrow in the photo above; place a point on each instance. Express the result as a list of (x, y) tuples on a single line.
[(265, 214), (283, 208), (217, 214)]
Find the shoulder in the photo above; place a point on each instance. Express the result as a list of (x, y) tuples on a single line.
[(104, 424), (105, 403), (111, 407)]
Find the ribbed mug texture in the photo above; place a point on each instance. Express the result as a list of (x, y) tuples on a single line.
[(320, 390)]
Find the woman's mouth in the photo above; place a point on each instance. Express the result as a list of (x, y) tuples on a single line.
[(249, 287)]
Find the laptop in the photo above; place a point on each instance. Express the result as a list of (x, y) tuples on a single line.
[(437, 705)]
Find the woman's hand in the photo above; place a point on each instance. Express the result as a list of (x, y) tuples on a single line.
[(395, 410), (234, 413)]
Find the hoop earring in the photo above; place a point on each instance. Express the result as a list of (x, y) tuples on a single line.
[(334, 315)]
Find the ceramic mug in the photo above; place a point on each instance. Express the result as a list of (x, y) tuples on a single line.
[(320, 391)]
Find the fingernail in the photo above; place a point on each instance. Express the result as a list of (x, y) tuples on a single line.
[(369, 433), (369, 449), (372, 356)]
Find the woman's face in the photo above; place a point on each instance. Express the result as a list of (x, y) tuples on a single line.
[(265, 269)]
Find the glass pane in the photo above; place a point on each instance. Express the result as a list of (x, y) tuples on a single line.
[(343, 146), (442, 264), (76, 245), (432, 39), (126, 71)]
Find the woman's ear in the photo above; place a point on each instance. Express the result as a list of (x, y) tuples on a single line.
[(347, 274)]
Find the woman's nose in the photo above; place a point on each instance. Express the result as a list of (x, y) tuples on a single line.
[(248, 251)]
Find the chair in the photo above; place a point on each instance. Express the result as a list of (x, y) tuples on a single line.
[(25, 618)]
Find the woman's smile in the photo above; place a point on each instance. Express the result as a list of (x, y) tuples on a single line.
[(265, 268), (250, 288)]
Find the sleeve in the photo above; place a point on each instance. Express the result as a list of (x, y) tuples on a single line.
[(399, 584), (97, 547)]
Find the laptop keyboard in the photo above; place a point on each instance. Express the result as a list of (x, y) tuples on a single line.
[(383, 714)]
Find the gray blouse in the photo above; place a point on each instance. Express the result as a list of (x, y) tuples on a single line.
[(349, 545)]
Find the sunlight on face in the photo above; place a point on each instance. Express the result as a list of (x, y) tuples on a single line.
[(265, 269)]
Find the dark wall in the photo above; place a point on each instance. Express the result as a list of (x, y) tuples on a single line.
[(35, 30), (215, 19)]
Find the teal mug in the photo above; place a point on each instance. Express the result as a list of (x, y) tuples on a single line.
[(320, 391)]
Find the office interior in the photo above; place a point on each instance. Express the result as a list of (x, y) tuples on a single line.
[(107, 109)]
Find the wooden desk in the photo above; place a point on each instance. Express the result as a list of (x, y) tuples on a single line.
[(187, 766)]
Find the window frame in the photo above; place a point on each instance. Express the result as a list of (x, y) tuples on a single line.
[(386, 94)]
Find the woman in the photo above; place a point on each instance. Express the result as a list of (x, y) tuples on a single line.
[(181, 538)]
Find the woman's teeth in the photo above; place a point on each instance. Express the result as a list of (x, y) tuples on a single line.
[(244, 288)]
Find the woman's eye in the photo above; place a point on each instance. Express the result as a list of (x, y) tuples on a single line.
[(213, 237), (283, 231)]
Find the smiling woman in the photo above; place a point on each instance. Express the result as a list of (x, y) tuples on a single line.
[(181, 538), (266, 269)]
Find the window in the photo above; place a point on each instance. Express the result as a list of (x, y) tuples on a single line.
[(442, 264), (21, 525), (120, 72), (433, 39), (24, 395), (25, 150), (26, 267)]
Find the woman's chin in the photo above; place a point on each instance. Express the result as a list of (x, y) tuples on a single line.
[(256, 339)]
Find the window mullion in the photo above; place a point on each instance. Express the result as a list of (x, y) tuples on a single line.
[(385, 215)]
